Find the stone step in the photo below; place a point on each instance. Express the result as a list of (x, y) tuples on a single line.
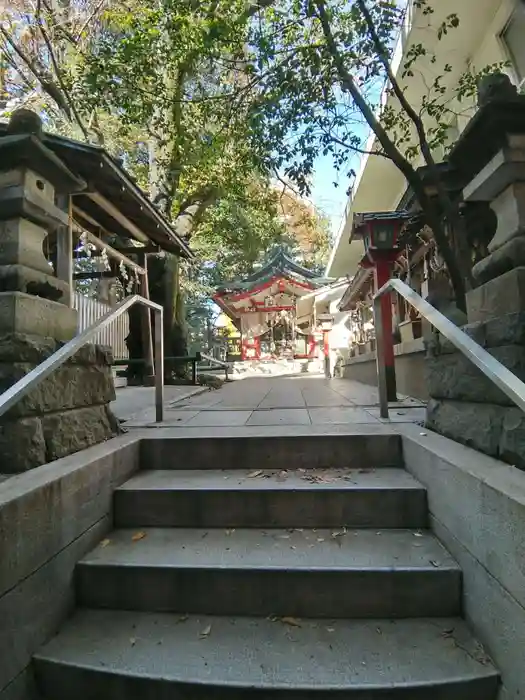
[(316, 573), (117, 655), (380, 498), (374, 446)]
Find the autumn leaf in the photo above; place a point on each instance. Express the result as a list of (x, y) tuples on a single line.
[(138, 536), (292, 621), (105, 542), (257, 472)]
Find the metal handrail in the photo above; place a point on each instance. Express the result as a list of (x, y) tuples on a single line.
[(16, 392), (220, 363), (502, 377)]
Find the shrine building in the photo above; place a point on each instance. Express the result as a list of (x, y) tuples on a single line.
[(263, 306)]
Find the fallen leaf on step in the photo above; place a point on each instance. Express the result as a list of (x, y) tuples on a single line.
[(320, 539), (418, 534), (379, 630), (132, 641), (105, 542), (257, 472), (330, 629), (183, 618), (283, 537), (447, 633), (339, 533), (423, 434), (138, 536), (230, 532), (434, 563), (205, 632), (292, 621)]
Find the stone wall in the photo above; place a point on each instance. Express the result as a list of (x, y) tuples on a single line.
[(410, 369), (49, 519), (65, 413), (468, 407), (477, 509)]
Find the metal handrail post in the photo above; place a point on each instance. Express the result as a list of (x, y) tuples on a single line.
[(159, 364), (225, 365), (502, 377)]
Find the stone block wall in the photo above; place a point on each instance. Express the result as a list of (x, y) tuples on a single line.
[(468, 407), (409, 359), (477, 509), (49, 519), (65, 413)]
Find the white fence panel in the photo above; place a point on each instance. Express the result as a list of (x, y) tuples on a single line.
[(114, 335)]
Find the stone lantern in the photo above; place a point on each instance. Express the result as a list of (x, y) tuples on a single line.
[(490, 160), (69, 410)]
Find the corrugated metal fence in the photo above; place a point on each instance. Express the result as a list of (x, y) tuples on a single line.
[(89, 310)]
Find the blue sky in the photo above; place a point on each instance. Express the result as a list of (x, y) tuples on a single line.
[(329, 199)]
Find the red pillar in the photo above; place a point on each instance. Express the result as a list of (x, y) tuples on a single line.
[(326, 353), (382, 275)]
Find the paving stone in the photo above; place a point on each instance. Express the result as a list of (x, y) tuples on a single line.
[(220, 418), (278, 416), (343, 414)]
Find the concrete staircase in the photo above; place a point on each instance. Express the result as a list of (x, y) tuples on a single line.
[(311, 580)]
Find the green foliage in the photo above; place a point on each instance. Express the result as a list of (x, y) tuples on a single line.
[(304, 71)]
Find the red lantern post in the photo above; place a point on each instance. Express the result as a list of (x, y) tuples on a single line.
[(380, 233)]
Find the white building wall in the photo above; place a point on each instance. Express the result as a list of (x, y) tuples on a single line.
[(476, 43)]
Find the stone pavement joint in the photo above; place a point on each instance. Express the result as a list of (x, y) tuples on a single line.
[(277, 401)]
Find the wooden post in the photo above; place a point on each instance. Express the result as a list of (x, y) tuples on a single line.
[(64, 269), (147, 336), (194, 372)]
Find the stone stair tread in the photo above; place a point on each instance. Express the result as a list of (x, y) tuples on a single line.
[(382, 478), (98, 647), (280, 549)]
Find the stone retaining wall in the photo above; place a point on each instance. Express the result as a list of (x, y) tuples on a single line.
[(49, 519), (410, 369), (468, 407), (65, 413)]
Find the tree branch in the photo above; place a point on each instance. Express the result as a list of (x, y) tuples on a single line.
[(89, 19), (58, 25), (349, 85), (71, 104), (444, 200), (399, 93), (192, 209)]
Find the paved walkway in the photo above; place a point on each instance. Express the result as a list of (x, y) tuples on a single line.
[(133, 401), (280, 401)]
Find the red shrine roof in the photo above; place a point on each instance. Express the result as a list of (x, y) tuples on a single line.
[(275, 287)]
